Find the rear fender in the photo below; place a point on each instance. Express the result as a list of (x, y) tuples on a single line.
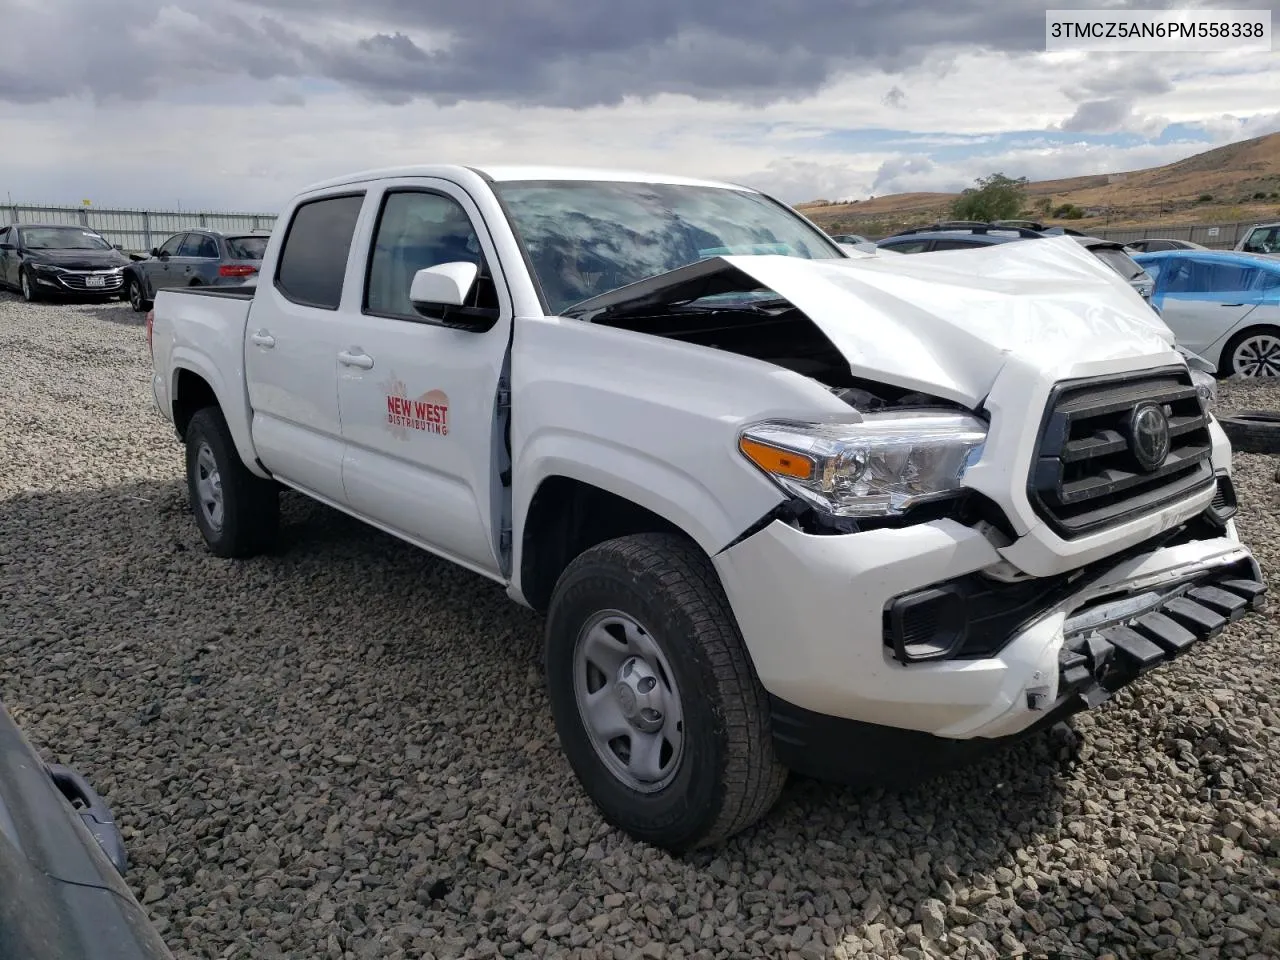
[(231, 400)]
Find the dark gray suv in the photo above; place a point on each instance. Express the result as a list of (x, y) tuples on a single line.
[(195, 258)]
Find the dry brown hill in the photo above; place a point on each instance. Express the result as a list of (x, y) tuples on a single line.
[(1240, 181)]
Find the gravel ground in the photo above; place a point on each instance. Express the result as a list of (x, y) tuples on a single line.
[(344, 750)]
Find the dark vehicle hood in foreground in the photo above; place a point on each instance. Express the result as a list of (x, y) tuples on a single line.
[(60, 897), (80, 259)]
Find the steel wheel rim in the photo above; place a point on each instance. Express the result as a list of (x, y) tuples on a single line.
[(135, 295), (26, 287), (209, 486), (1259, 356), (628, 701)]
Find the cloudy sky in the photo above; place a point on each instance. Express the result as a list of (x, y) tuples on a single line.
[(235, 104)]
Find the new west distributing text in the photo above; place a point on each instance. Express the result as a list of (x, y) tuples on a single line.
[(418, 415)]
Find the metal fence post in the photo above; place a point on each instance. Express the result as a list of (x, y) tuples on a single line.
[(146, 230)]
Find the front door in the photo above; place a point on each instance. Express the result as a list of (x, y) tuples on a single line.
[(292, 341), (420, 417), (158, 270)]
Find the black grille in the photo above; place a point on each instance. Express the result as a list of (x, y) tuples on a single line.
[(80, 281), (1086, 475)]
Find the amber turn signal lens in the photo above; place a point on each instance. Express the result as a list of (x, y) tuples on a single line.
[(775, 460)]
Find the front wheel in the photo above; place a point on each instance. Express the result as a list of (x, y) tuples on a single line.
[(30, 292), (238, 513), (655, 701)]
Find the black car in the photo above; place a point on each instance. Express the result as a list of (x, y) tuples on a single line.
[(40, 260), (62, 893)]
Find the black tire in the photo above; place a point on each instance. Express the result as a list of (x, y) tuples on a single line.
[(1253, 431), (728, 776), (250, 516), (136, 294), (28, 287), (1226, 365)]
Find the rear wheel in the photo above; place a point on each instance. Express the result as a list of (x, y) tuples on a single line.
[(1253, 353), (655, 701), (238, 513), (136, 295)]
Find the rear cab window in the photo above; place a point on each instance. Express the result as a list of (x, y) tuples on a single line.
[(313, 258)]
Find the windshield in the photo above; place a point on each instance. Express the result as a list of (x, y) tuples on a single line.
[(246, 248), (586, 238), (62, 238), (1120, 262)]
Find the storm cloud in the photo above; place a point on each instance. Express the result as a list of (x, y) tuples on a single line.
[(559, 53)]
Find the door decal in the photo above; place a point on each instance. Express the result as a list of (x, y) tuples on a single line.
[(428, 412)]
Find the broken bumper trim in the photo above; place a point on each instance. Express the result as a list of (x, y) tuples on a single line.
[(1096, 660)]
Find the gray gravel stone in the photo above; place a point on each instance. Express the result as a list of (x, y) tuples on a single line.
[(344, 750)]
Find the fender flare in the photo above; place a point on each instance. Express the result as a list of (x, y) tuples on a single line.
[(236, 415)]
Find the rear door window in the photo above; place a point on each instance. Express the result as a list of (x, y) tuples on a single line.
[(959, 244), (313, 260), (911, 246), (200, 245)]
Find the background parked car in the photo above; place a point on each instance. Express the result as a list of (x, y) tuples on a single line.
[(963, 235), (1156, 244), (39, 260), (1222, 305), (61, 860), (1264, 238), (854, 240), (195, 258)]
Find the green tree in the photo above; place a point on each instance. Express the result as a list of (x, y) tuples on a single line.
[(996, 197)]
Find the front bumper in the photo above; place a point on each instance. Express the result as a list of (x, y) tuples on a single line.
[(812, 611), (78, 281)]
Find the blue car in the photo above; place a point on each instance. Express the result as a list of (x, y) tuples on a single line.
[(1221, 304)]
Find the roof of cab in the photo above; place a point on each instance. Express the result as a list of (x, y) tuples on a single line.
[(504, 174)]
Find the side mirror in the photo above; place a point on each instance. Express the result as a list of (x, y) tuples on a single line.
[(118, 246), (440, 293)]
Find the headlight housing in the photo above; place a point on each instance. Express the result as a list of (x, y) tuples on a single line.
[(880, 466), (1206, 385)]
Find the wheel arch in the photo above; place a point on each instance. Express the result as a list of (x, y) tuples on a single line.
[(195, 385), (1248, 326), (567, 516)]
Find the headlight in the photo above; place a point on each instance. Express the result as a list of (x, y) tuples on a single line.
[(46, 267), (1206, 386), (881, 466)]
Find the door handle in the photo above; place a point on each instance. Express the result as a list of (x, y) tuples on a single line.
[(361, 360), (1231, 304), (263, 339)]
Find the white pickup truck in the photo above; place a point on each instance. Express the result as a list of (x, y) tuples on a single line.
[(784, 507)]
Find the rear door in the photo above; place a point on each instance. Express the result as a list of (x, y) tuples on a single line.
[(419, 399), (292, 344), (1203, 299), (197, 261)]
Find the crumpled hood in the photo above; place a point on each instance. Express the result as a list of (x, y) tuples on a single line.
[(946, 323)]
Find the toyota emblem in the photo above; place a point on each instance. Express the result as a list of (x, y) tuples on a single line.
[(1149, 429)]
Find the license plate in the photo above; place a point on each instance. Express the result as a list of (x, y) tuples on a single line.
[(95, 281)]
